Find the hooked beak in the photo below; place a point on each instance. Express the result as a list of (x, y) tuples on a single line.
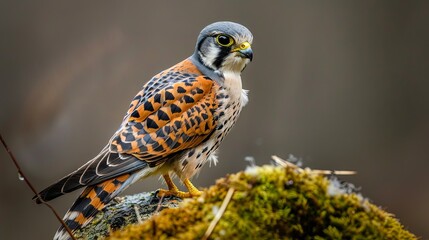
[(244, 50)]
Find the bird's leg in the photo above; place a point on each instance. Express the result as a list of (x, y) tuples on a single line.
[(191, 188), (172, 189)]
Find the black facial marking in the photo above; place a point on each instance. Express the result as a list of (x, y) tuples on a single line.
[(224, 51), (201, 43)]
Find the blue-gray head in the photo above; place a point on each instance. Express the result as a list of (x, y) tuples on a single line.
[(224, 46)]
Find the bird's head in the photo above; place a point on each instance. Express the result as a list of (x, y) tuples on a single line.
[(224, 46)]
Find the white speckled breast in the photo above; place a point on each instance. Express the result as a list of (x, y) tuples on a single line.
[(231, 99)]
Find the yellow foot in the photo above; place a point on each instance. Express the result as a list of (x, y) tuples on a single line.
[(192, 190), (176, 193)]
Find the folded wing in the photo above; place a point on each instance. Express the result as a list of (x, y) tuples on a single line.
[(158, 127)]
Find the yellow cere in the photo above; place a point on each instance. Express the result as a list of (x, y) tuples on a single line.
[(243, 46)]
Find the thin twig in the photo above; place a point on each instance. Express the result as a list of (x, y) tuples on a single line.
[(21, 174), (285, 163), (137, 210), (219, 214), (159, 203)]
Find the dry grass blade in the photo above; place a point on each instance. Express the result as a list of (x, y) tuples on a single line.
[(21, 174), (335, 172), (159, 204), (285, 163), (137, 211), (219, 214)]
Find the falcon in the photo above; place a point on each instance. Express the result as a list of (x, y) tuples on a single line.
[(174, 125)]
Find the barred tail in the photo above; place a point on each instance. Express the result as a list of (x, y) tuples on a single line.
[(90, 202)]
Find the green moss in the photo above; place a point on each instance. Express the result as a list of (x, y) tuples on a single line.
[(272, 203)]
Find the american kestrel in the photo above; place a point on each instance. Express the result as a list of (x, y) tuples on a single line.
[(173, 125)]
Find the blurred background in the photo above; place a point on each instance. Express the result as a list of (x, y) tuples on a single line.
[(339, 84)]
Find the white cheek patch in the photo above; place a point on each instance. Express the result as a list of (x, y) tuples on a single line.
[(210, 56), (234, 63)]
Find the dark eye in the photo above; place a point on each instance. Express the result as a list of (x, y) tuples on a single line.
[(224, 41)]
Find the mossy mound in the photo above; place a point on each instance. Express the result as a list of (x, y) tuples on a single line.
[(272, 203)]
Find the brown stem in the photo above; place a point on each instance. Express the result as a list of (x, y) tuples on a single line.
[(33, 189)]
